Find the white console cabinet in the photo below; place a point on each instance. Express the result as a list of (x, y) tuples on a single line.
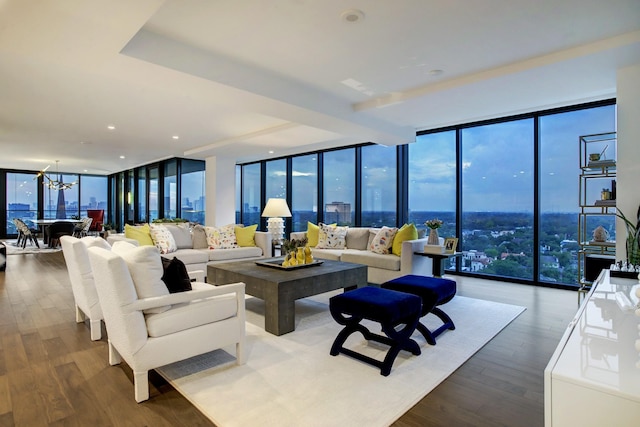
[(593, 377)]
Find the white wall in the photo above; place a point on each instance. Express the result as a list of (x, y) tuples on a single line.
[(628, 162), (220, 191)]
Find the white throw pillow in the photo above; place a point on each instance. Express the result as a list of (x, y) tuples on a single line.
[(145, 266), (383, 241), (221, 237), (331, 237), (163, 239)]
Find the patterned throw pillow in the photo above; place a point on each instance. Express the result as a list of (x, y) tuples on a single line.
[(221, 237), (331, 237), (163, 239), (381, 244)]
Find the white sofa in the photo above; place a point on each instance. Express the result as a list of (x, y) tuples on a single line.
[(380, 268), (196, 257)]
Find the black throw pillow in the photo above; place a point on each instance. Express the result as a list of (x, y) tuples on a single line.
[(175, 275)]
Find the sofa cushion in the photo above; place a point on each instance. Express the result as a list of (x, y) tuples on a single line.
[(175, 275), (357, 238), (406, 232), (199, 237), (140, 233), (163, 239), (331, 254), (221, 237), (235, 253), (371, 259), (331, 237), (190, 315), (245, 236), (181, 234), (190, 256), (383, 240), (145, 267)]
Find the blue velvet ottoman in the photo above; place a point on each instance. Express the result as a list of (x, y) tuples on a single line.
[(434, 291), (385, 306)]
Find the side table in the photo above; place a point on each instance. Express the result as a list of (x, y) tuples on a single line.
[(437, 269)]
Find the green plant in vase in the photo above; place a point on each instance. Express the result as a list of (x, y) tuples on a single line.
[(633, 237)]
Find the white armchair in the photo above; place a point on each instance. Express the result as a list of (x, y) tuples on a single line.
[(152, 331), (81, 277)]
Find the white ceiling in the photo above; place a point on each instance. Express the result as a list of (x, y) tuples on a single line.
[(241, 78)]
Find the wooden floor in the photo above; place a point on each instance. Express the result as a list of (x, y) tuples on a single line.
[(52, 374)]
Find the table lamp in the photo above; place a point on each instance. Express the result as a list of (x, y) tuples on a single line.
[(275, 210)]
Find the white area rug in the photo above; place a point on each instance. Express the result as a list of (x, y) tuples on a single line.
[(30, 248), (292, 380)]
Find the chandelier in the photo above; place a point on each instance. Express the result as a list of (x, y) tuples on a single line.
[(54, 184)]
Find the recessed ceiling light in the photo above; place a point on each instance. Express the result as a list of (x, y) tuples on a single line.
[(352, 16), (175, 137), (435, 72), (86, 170), (122, 157), (270, 151), (111, 127)]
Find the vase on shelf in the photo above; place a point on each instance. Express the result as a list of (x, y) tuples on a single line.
[(433, 238)]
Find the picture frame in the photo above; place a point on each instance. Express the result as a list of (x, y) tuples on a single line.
[(450, 244)]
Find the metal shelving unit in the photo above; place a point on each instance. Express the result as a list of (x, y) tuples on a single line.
[(597, 206)]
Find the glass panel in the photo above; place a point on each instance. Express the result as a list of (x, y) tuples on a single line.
[(170, 189), (251, 194), (154, 201), (497, 199), (304, 191), (238, 192), (192, 191), (379, 186), (141, 192), (93, 193), (22, 199), (131, 197), (339, 186), (276, 179), (559, 204), (61, 204), (432, 183)]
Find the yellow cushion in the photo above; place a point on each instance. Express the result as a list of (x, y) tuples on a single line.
[(245, 236), (141, 233), (406, 232)]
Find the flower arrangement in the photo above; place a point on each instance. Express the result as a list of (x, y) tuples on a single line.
[(293, 244), (433, 224)]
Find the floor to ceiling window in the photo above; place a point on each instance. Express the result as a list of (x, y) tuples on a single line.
[(154, 191), (192, 191), (379, 185), (498, 199), (61, 203), (22, 199), (559, 205), (339, 186), (141, 191), (304, 191), (506, 188), (170, 189), (251, 193), (432, 180)]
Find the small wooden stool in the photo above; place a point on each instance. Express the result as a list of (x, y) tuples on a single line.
[(387, 307), (434, 291)]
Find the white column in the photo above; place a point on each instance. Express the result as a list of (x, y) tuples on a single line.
[(220, 191), (628, 161)]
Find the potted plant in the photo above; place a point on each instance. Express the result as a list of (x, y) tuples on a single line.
[(633, 237)]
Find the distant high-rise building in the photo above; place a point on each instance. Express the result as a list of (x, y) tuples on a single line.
[(339, 212)]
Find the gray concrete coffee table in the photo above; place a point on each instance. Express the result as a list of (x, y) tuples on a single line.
[(280, 288)]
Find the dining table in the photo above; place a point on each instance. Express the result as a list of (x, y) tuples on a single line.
[(45, 223)]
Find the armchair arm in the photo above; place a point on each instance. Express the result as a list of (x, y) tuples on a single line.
[(180, 297), (263, 241)]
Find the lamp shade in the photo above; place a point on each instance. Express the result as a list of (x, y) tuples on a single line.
[(276, 208)]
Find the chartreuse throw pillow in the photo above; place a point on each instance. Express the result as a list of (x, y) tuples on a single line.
[(406, 232), (245, 236), (141, 233)]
